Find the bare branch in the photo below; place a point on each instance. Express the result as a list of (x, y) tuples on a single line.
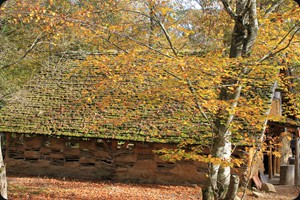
[(36, 41), (273, 7), (198, 105), (140, 43), (115, 45), (167, 36), (273, 52), (161, 26)]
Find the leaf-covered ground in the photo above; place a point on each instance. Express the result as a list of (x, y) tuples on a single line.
[(21, 188), (46, 188)]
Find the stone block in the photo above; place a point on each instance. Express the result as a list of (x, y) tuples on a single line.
[(101, 154), (257, 194), (57, 156), (33, 142), (287, 175), (268, 187), (43, 163), (57, 143), (72, 152), (32, 154), (87, 144), (45, 150), (87, 160), (126, 158), (71, 164), (145, 156)]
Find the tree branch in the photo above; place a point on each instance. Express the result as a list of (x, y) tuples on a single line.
[(273, 7), (36, 41), (272, 53), (247, 7), (229, 10), (161, 26), (168, 37), (198, 105), (234, 105)]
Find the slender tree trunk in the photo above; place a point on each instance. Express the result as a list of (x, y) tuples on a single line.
[(220, 176), (152, 23), (2, 173), (3, 180), (239, 32), (224, 172)]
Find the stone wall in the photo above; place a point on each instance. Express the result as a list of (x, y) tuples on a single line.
[(103, 159)]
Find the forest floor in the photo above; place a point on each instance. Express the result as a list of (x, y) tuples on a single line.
[(21, 188)]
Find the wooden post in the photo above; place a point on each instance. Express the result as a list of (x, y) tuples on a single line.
[(7, 145), (278, 165), (274, 161), (297, 158), (270, 163)]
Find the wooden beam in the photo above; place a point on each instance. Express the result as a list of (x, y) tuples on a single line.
[(270, 163), (7, 145), (297, 159)]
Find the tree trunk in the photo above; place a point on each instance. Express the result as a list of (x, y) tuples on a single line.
[(220, 175), (152, 23), (245, 29), (2, 174), (234, 186), (238, 37), (239, 32), (224, 172), (252, 29), (242, 41), (3, 180)]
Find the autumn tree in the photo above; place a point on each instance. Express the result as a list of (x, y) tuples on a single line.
[(243, 37), (242, 40)]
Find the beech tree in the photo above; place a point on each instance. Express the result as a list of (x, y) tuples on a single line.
[(242, 40), (244, 35)]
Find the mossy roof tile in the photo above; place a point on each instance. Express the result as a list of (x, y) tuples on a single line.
[(53, 103)]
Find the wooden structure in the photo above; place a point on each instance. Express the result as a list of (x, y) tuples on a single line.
[(59, 126), (285, 140)]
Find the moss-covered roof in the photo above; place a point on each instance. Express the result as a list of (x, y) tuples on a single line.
[(79, 101), (129, 100)]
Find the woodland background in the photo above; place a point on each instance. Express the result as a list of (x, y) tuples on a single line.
[(217, 62)]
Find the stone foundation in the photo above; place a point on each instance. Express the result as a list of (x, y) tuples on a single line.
[(102, 159)]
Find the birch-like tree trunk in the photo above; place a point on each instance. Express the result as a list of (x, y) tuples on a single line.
[(3, 180), (243, 37), (2, 174)]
